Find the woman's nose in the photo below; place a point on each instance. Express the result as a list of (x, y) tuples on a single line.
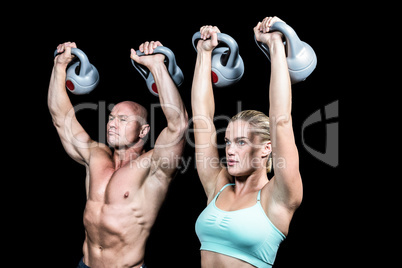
[(230, 150)]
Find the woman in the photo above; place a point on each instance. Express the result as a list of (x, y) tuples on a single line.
[(247, 215)]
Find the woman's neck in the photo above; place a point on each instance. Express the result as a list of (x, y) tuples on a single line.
[(251, 183)]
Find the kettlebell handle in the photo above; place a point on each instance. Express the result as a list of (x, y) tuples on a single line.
[(85, 65), (226, 39), (158, 50)]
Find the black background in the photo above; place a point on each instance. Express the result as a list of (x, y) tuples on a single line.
[(50, 186)]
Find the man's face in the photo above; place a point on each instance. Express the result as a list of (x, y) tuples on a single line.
[(123, 127)]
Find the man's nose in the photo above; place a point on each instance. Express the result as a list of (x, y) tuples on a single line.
[(113, 123)]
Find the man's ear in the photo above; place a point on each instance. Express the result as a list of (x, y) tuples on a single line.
[(144, 130), (267, 149)]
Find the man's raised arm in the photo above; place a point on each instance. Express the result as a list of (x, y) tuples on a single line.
[(170, 143), (75, 140)]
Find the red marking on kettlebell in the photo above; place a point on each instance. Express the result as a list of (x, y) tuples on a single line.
[(70, 85), (154, 88), (214, 77)]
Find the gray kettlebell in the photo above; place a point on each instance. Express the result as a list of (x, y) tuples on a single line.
[(174, 70), (226, 64), (301, 57), (81, 77)]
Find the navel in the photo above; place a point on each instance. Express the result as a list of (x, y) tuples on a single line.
[(126, 194)]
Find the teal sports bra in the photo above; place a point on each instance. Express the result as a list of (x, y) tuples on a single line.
[(246, 234)]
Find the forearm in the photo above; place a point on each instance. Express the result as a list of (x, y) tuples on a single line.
[(58, 101), (202, 95), (170, 99), (280, 94)]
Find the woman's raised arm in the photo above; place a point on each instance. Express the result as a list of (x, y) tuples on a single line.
[(287, 183), (203, 107)]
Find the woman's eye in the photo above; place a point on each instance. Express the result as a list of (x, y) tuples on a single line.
[(227, 143), (241, 142)]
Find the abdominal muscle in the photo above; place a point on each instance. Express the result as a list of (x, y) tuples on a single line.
[(213, 259), (115, 235)]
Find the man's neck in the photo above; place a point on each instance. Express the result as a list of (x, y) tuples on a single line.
[(122, 156)]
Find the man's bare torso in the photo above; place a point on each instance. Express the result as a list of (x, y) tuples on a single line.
[(122, 205), (126, 188)]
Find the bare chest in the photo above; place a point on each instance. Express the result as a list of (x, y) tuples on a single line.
[(109, 185)]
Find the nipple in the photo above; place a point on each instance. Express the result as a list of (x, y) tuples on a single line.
[(126, 194)]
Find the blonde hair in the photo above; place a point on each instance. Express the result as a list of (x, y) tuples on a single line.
[(261, 124)]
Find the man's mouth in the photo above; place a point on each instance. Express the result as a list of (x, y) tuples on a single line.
[(111, 132), (231, 162)]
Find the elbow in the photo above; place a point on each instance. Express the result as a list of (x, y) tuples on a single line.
[(296, 192), (294, 196), (58, 116), (56, 113), (280, 119), (295, 202), (56, 120), (180, 125), (183, 127), (183, 121), (56, 123), (297, 195)]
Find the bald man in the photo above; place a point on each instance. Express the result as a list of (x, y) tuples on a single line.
[(125, 185)]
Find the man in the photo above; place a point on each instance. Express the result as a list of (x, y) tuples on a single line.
[(125, 186)]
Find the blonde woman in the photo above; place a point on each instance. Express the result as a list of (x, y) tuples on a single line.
[(247, 216)]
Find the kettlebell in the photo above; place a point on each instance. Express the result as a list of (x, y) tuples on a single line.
[(301, 57), (174, 70), (82, 77), (227, 66)]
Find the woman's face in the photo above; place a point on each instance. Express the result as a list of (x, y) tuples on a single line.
[(245, 153)]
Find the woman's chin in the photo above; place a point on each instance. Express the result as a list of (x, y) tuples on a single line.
[(233, 171)]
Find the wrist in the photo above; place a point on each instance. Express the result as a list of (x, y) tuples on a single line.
[(204, 56), (275, 45), (60, 67), (157, 66), (158, 69), (204, 53)]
